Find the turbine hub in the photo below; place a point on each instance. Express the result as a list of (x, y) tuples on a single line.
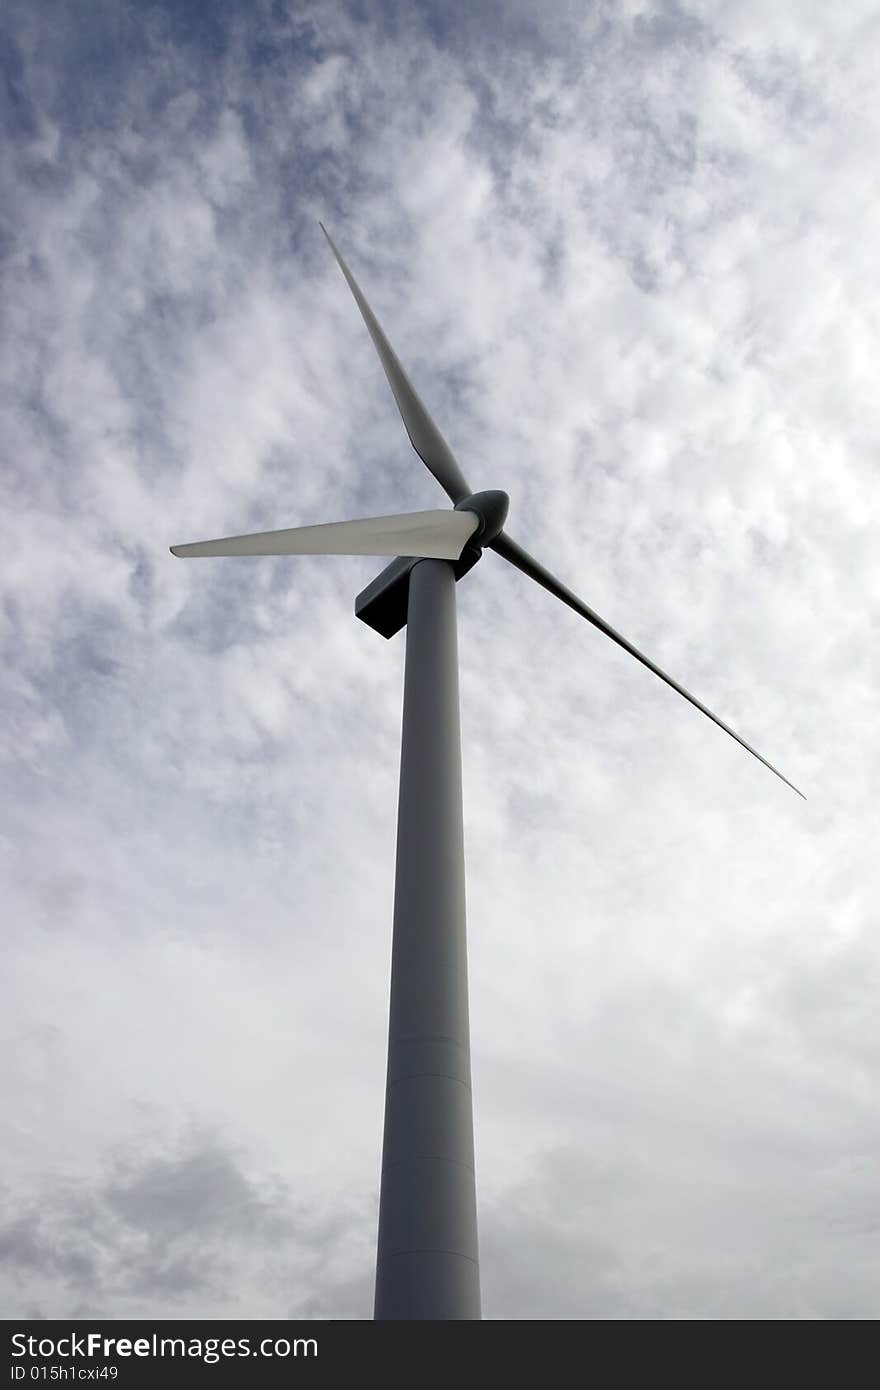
[(491, 508)]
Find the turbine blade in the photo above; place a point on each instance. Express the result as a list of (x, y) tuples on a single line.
[(424, 435), (428, 535), (509, 550)]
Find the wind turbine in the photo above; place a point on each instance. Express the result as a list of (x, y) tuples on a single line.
[(427, 1258)]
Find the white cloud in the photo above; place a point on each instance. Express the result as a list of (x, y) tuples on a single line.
[(630, 265)]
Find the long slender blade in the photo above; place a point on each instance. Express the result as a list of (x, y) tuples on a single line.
[(440, 535), (424, 435), (506, 547)]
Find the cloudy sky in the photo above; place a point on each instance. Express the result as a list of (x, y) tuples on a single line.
[(627, 251)]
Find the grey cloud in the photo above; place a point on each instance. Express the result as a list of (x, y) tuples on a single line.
[(158, 1232)]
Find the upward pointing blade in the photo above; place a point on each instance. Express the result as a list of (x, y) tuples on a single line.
[(424, 435), (515, 554), (429, 535)]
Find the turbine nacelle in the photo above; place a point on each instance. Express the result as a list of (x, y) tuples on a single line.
[(491, 508)]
